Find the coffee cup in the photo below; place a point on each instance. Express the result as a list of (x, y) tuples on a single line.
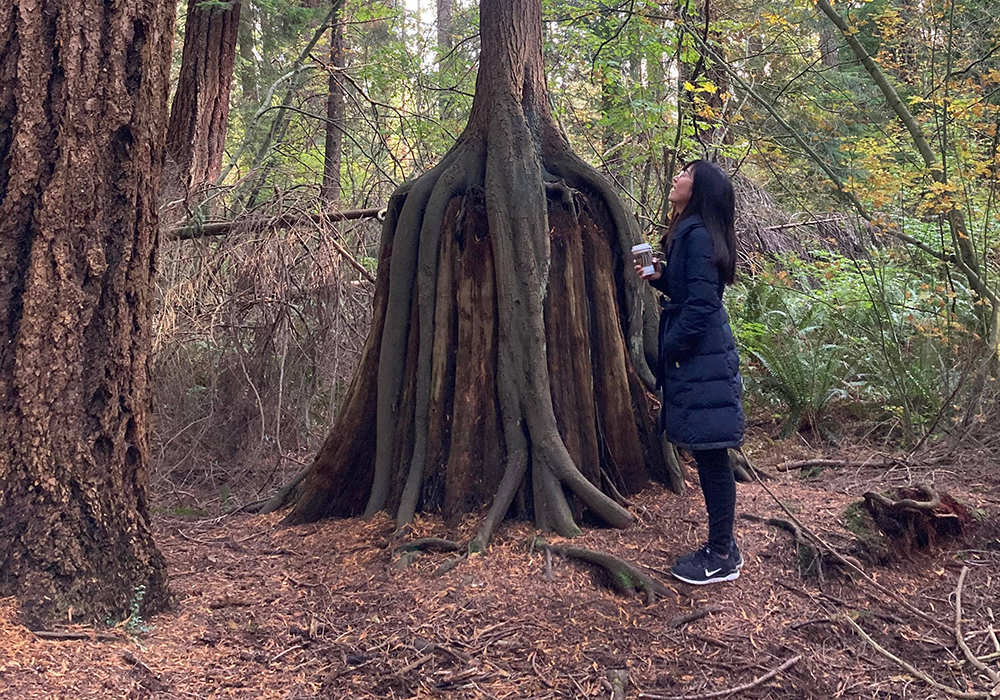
[(643, 255)]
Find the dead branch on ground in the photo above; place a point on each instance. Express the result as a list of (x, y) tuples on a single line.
[(728, 691)]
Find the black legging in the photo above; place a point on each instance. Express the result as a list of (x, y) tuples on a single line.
[(718, 483)]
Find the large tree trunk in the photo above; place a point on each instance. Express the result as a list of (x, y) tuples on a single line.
[(196, 134), (335, 110), (83, 90), (508, 338)]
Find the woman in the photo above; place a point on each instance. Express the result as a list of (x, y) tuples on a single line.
[(698, 365)]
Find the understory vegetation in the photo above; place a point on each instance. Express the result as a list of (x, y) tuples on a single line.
[(863, 138)]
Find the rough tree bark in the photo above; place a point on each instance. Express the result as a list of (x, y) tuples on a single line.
[(335, 110), (83, 87), (508, 347), (196, 134)]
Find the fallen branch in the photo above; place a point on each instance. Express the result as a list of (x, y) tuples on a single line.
[(75, 636), (993, 675), (728, 691), (221, 228), (681, 620), (913, 671), (811, 463), (426, 544)]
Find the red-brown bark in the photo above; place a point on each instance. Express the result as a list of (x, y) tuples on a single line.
[(83, 87), (196, 134)]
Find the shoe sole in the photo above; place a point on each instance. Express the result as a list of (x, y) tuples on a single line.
[(716, 579)]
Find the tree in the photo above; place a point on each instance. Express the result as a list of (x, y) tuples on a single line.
[(335, 110), (508, 355), (82, 89), (196, 135)]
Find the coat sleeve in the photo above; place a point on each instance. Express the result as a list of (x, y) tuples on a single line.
[(702, 301), (661, 283)]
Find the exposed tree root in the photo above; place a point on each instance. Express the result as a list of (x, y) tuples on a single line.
[(624, 577), (511, 339), (918, 517), (811, 559), (744, 470)]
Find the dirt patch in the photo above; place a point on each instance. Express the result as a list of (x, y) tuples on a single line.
[(320, 611)]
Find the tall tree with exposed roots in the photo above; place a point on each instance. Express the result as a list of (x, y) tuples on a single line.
[(508, 359), (83, 91)]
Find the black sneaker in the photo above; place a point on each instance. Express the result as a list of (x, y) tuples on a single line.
[(734, 552), (705, 566)]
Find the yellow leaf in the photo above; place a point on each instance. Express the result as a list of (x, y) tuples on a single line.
[(689, 87), (709, 86)]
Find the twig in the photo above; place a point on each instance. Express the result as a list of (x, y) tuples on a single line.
[(994, 676), (75, 636), (419, 662), (538, 673), (729, 691), (816, 621), (289, 650), (913, 671), (681, 620)]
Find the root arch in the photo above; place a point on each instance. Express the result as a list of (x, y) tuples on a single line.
[(513, 348)]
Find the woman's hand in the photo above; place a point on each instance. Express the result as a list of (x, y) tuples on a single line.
[(657, 271)]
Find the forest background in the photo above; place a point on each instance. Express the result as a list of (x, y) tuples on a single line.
[(866, 309)]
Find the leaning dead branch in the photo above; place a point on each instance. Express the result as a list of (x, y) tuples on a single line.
[(728, 691)]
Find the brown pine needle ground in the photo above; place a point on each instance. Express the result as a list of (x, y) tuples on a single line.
[(320, 611)]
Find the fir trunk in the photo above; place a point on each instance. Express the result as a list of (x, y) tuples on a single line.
[(196, 134), (335, 111), (83, 87), (508, 341)]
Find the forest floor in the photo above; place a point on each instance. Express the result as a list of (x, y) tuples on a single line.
[(320, 611)]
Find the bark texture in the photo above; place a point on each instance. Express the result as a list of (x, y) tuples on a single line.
[(335, 110), (507, 361), (83, 87), (196, 134)]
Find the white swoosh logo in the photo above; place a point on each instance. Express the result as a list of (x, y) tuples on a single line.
[(709, 574)]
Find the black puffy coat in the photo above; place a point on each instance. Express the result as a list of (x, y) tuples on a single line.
[(698, 364)]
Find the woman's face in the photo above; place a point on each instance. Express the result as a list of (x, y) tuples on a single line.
[(680, 193)]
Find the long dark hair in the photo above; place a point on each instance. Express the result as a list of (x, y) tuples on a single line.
[(712, 200)]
